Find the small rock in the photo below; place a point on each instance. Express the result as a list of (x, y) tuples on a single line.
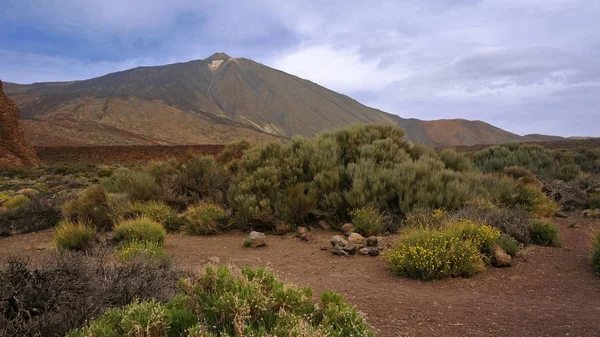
[(256, 239), (338, 240), (380, 248), (305, 237), (324, 247), (561, 214), (301, 231), (356, 238), (364, 251), (214, 260), (373, 252), (372, 241), (347, 228), (350, 247), (499, 257), (324, 225)]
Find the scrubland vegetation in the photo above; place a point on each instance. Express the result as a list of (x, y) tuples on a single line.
[(453, 211)]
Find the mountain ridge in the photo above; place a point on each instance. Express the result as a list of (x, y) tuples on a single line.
[(218, 99)]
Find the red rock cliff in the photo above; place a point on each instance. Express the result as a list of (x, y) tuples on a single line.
[(14, 149)]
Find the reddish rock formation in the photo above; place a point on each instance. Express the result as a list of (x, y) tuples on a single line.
[(14, 149)]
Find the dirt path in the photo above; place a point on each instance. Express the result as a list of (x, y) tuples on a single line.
[(552, 292)]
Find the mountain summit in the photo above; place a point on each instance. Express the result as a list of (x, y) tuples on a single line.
[(210, 101)]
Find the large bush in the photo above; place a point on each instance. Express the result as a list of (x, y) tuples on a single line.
[(91, 206), (137, 184), (159, 212), (361, 166), (535, 158)]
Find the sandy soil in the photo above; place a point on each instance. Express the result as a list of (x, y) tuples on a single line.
[(550, 292)]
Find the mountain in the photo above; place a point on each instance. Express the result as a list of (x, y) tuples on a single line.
[(14, 150), (210, 101)]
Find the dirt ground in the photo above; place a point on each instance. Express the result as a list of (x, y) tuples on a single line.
[(549, 292)]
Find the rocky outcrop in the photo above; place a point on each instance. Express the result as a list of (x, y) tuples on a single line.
[(15, 152)]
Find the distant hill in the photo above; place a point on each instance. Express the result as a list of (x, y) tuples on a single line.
[(210, 101)]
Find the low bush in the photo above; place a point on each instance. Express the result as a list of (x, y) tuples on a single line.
[(37, 214), (596, 253), (544, 233), (159, 212), (367, 221), (205, 218), (459, 249), (426, 219), (137, 319), (91, 206), (70, 288), (256, 303), (430, 254), (509, 244), (515, 222), (139, 230), (74, 236), (136, 249), (16, 202)]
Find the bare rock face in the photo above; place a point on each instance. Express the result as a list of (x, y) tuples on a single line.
[(15, 152)]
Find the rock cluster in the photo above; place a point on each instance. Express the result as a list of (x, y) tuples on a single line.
[(352, 243), (15, 152)]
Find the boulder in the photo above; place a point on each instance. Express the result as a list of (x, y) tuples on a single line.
[(15, 152), (337, 250), (364, 251), (356, 238), (499, 257), (350, 247), (347, 228), (338, 240), (256, 239), (373, 241), (324, 225), (306, 237)]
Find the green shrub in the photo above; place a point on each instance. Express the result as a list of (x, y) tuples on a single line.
[(509, 244), (595, 201), (360, 166), (137, 184), (596, 253), (233, 151), (367, 221), (74, 236), (533, 200), (91, 207), (460, 249), (144, 319), (205, 218), (138, 249), (535, 158), (255, 303), (16, 202), (159, 212), (544, 233), (182, 315), (192, 180), (141, 230)]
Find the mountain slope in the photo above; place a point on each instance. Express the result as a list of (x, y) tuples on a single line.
[(214, 100)]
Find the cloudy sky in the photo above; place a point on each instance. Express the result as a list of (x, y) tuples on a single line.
[(528, 66)]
